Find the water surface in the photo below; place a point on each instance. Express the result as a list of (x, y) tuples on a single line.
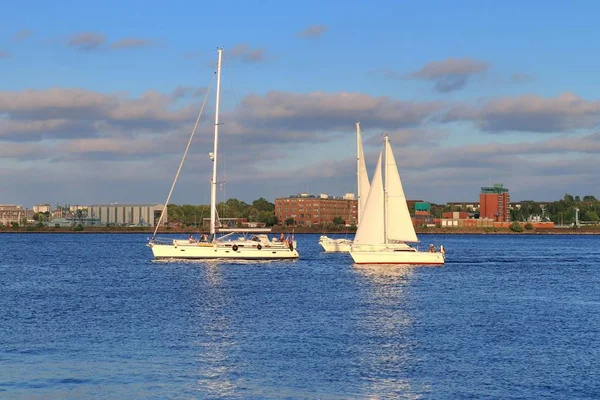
[(90, 316)]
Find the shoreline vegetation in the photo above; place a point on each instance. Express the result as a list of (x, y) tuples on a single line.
[(571, 215), (567, 230)]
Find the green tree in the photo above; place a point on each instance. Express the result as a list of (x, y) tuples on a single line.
[(516, 227), (263, 205), (253, 215), (589, 215), (338, 221), (516, 214), (289, 221)]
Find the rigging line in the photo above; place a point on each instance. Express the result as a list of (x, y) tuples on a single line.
[(232, 89), (183, 158)]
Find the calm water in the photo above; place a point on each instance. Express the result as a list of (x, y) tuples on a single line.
[(90, 316)]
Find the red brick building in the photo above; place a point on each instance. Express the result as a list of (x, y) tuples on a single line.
[(308, 210), (494, 203)]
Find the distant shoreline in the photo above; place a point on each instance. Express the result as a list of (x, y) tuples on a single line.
[(301, 231)]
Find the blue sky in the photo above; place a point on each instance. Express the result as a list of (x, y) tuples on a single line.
[(98, 99)]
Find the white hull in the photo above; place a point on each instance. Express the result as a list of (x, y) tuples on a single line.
[(396, 256), (335, 245), (223, 250)]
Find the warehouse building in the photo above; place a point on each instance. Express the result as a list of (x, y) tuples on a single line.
[(116, 214)]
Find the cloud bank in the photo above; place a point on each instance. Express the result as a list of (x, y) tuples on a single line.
[(450, 74), (291, 140)]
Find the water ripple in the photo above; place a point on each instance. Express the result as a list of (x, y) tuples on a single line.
[(91, 316)]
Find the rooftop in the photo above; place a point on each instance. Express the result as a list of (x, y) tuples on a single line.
[(497, 188)]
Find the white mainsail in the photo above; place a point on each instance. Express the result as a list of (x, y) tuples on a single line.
[(386, 226), (371, 230), (399, 226), (363, 178)]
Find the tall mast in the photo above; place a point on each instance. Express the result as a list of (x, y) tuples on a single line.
[(358, 172), (385, 188), (213, 186)]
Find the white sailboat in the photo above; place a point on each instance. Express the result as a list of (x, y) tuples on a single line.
[(234, 244), (386, 227), (362, 179)]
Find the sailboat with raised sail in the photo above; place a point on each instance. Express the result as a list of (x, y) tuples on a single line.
[(386, 227), (232, 244), (363, 186)]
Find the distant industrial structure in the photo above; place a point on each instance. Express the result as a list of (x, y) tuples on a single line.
[(494, 203), (126, 214), (307, 210)]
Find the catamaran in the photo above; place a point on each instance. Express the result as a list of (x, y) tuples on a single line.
[(386, 228), (363, 186), (231, 244)]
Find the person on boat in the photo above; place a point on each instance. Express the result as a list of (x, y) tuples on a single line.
[(191, 239), (204, 237), (281, 237), (431, 248)]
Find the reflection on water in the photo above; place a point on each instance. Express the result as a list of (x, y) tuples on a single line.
[(384, 324), (385, 274), (216, 343)]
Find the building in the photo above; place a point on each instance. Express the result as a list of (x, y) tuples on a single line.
[(494, 203), (126, 214), (455, 215), (42, 208), (462, 205), (308, 210), (10, 213), (422, 208)]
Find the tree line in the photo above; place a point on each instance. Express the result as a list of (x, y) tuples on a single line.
[(561, 212), (260, 210)]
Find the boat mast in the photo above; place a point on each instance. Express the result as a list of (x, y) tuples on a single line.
[(358, 172), (213, 186), (385, 189)]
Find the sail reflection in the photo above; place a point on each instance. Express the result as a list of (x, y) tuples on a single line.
[(385, 274), (385, 350)]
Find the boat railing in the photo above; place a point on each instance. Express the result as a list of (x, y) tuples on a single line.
[(160, 240)]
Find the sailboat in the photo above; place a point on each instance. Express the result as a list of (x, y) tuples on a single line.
[(386, 227), (362, 179), (232, 244)]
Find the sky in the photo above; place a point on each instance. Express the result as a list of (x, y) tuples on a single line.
[(98, 99)]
